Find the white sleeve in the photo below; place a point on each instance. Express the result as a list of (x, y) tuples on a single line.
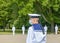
[(39, 36), (29, 36)]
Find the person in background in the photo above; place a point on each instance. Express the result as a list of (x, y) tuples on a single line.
[(45, 30), (13, 30), (23, 29), (56, 29)]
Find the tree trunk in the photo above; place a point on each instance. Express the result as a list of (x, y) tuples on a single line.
[(52, 27), (4, 29)]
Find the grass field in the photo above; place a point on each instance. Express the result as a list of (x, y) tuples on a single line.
[(9, 31)]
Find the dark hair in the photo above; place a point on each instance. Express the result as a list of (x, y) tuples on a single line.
[(34, 16)]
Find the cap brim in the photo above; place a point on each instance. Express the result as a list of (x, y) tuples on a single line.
[(34, 15)]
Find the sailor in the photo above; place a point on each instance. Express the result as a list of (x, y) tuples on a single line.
[(45, 29), (23, 29), (56, 29), (13, 30), (36, 31)]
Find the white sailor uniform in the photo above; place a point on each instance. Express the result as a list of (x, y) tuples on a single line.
[(35, 37)]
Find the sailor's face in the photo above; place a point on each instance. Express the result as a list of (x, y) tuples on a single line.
[(34, 20)]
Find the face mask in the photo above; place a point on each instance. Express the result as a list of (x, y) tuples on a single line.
[(30, 22)]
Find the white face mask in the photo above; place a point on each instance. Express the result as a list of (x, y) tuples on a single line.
[(30, 22)]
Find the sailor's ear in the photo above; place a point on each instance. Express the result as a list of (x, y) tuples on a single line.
[(38, 18), (39, 21)]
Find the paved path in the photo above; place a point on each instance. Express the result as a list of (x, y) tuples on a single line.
[(53, 38), (22, 38)]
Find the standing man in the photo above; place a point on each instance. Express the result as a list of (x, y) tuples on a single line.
[(36, 31), (45, 29), (56, 29), (23, 29), (13, 30)]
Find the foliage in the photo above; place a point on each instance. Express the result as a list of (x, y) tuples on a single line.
[(15, 12)]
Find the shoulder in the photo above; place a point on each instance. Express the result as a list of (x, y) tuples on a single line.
[(30, 28)]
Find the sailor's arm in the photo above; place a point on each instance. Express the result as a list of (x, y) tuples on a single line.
[(29, 36)]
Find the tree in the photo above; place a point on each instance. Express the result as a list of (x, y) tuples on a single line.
[(47, 8), (14, 12)]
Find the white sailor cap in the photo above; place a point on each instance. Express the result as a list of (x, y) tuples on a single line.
[(34, 15)]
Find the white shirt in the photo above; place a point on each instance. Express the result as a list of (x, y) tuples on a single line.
[(45, 28), (23, 28), (35, 37), (56, 27), (13, 28)]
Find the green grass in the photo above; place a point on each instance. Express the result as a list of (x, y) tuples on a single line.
[(18, 31), (9, 31), (6, 32)]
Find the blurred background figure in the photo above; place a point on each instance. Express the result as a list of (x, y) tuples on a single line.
[(23, 29), (56, 29), (13, 30), (45, 29)]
